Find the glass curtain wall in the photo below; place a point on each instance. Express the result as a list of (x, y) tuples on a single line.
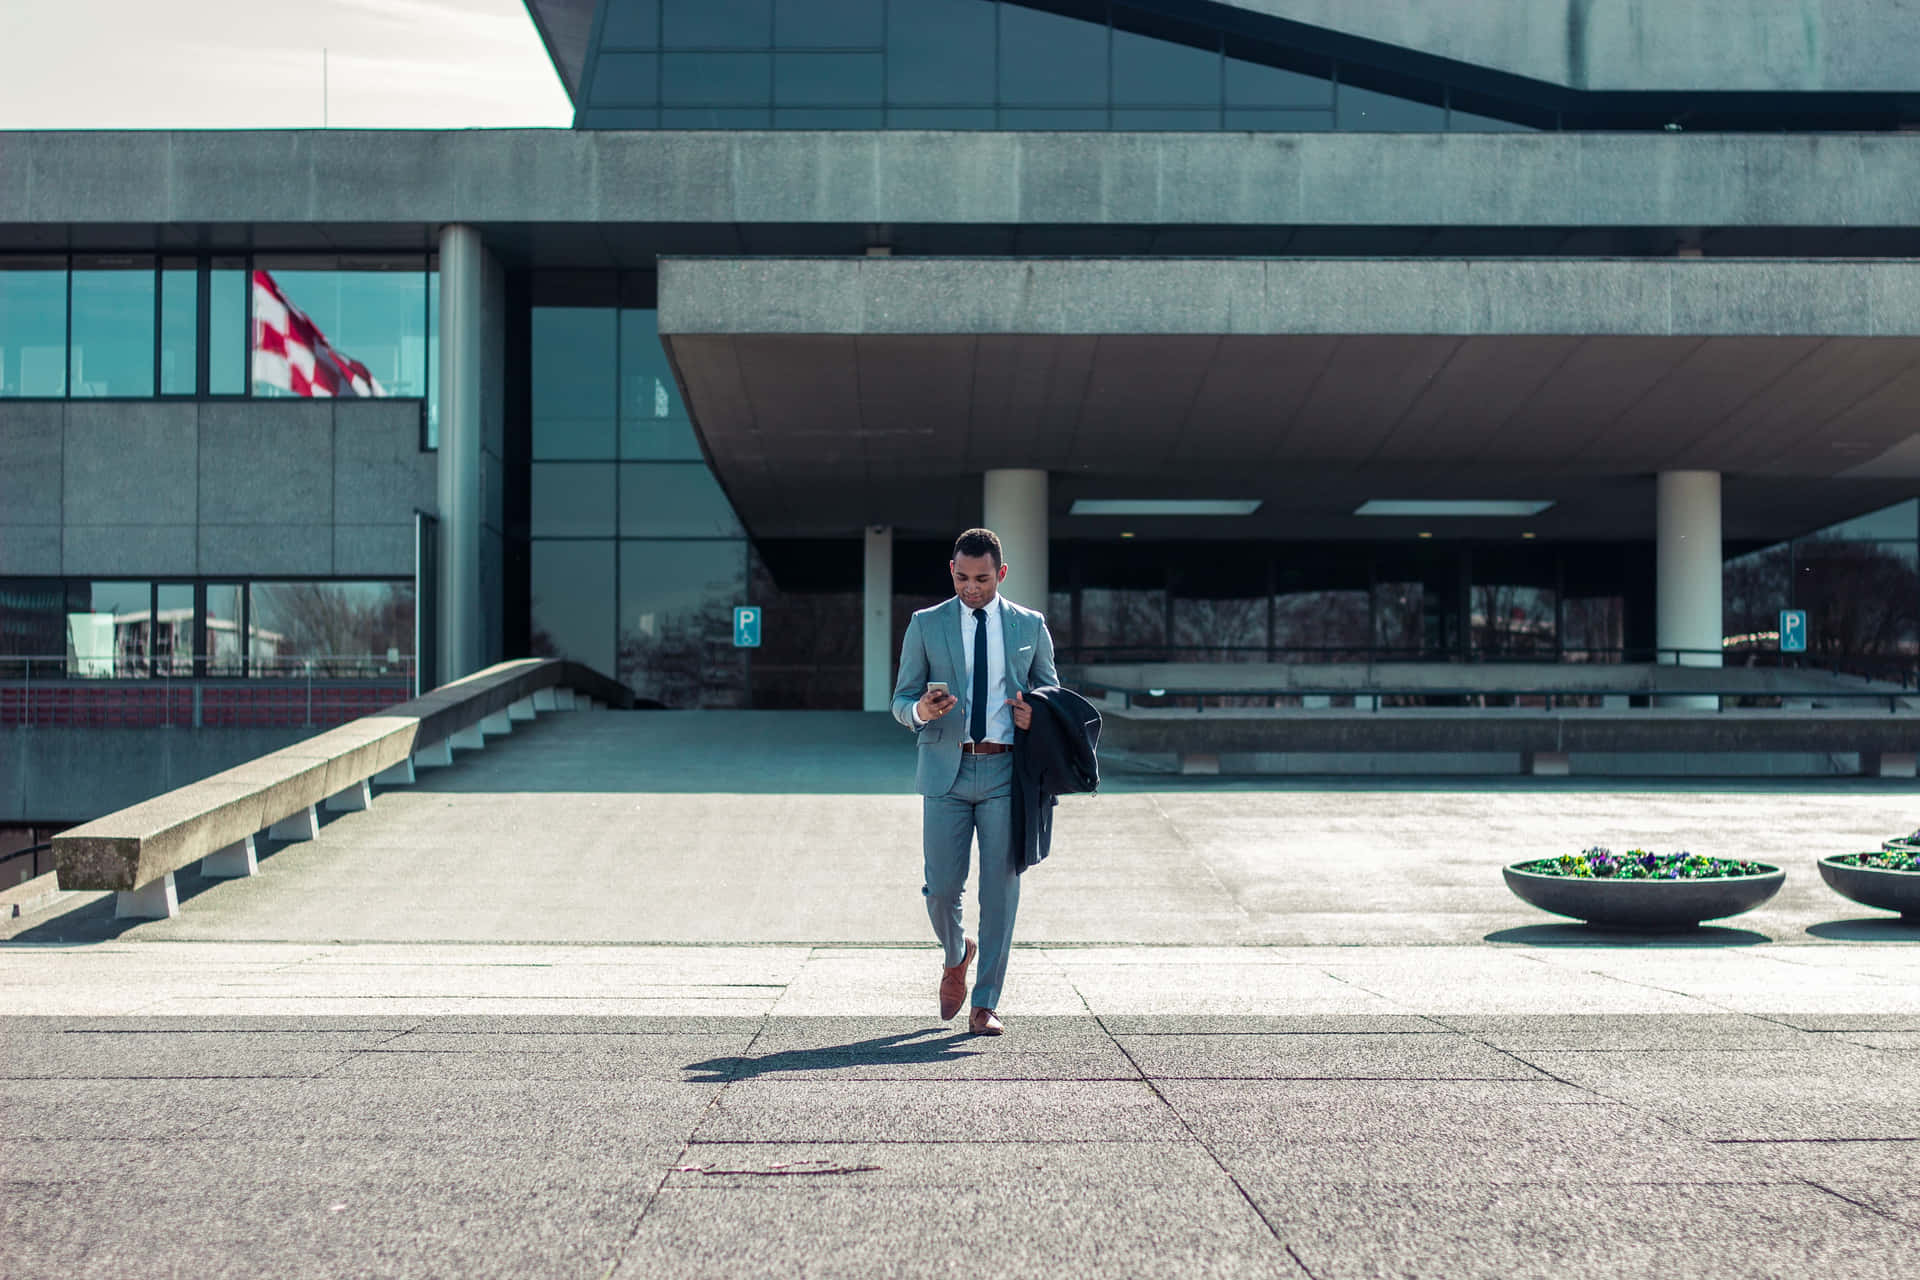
[(636, 561), (985, 64), (136, 326), (1858, 581), (131, 629)]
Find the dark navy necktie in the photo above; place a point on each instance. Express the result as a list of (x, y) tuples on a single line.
[(977, 721)]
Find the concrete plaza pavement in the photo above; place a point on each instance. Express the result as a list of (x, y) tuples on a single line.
[(637, 995)]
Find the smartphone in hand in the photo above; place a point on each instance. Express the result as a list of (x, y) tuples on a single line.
[(936, 686)]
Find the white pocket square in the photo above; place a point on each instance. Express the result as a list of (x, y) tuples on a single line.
[(1025, 647)]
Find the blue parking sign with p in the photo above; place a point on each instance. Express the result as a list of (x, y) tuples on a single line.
[(746, 627), (1793, 631)]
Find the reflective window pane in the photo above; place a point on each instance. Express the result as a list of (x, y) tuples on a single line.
[(631, 24), (1861, 598), (940, 118), (571, 499), (828, 24), (1593, 628), (1263, 75), (433, 359), (366, 328), (1053, 59), (172, 641), (1902, 520), (33, 619), (1389, 107), (676, 622), (331, 628), (673, 500), (653, 422), (940, 52), (1514, 620), (107, 635), (225, 603), (1161, 64), (826, 79), (572, 602), (227, 328), (33, 327), (717, 24), (1044, 118), (829, 118), (179, 330), (1174, 119), (1475, 113), (1261, 121), (1319, 625), (626, 80), (1122, 624), (715, 79), (715, 118), (573, 382), (113, 338), (621, 118)]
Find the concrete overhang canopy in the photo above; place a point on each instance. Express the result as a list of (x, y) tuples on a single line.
[(835, 393)]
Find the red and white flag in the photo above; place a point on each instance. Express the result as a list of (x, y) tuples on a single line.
[(291, 353)]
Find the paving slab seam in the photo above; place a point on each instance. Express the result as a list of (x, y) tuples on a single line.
[(686, 1149), (1858, 1204), (1212, 1155)]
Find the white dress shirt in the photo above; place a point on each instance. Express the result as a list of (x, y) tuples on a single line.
[(999, 714)]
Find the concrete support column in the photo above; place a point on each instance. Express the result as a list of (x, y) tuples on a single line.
[(1015, 507), (876, 617), (1687, 567), (461, 289)]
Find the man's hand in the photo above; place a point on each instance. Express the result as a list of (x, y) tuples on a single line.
[(1022, 712), (933, 704)]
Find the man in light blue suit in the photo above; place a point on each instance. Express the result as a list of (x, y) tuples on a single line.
[(964, 668)]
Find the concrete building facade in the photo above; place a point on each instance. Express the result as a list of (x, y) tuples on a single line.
[(1271, 331)]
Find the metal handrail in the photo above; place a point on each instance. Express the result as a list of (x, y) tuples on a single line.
[(1377, 694), (1905, 670), (211, 666)]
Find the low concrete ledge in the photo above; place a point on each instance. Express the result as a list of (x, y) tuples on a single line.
[(136, 850)]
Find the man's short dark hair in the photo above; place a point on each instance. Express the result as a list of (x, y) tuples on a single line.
[(978, 542)]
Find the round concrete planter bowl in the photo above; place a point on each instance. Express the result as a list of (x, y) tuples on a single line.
[(1901, 844), (1645, 904), (1875, 886)]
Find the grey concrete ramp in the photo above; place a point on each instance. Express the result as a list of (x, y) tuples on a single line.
[(743, 827)]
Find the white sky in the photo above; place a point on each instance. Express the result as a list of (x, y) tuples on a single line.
[(256, 64)]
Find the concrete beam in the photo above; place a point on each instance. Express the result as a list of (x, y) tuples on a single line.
[(350, 177), (1690, 297)]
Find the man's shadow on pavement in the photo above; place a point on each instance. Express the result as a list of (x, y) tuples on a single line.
[(895, 1050)]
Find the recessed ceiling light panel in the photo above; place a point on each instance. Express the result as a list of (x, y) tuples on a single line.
[(1453, 507), (1164, 507)]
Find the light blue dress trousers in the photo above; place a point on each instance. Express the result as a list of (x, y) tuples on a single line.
[(979, 804)]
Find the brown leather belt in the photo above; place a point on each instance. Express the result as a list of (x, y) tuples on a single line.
[(985, 748)]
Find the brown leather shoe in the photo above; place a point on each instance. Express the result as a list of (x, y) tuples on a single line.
[(953, 984), (983, 1022)]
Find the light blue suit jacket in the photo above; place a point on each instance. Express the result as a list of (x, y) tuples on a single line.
[(932, 651)]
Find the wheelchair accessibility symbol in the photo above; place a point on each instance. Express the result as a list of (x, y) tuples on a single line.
[(1793, 631), (746, 627)]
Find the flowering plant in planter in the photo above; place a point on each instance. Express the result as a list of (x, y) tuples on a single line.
[(1882, 859), (1600, 863), (1904, 844)]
